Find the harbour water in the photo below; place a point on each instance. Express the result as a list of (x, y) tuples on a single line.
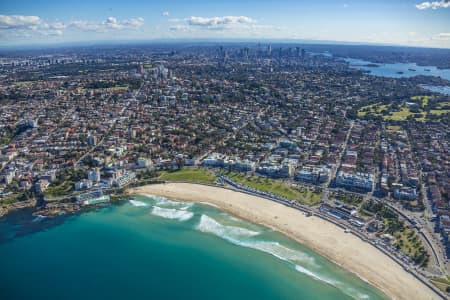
[(151, 247), (397, 70)]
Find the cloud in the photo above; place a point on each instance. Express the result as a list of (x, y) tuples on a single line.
[(433, 5), (110, 24), (444, 36), (16, 21), (19, 25), (226, 22), (166, 13)]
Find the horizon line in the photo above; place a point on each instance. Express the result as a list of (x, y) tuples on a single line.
[(41, 46)]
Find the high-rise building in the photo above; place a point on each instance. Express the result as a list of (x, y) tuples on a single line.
[(140, 69)]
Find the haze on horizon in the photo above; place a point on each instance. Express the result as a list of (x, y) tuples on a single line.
[(402, 22)]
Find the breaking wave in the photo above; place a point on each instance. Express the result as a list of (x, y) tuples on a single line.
[(137, 203), (164, 202), (172, 213), (230, 233), (281, 252), (314, 275), (337, 284), (240, 236), (38, 218)]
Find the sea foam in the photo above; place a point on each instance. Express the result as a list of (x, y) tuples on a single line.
[(350, 291), (281, 252), (137, 203), (241, 237), (230, 233), (314, 275), (38, 218), (164, 202), (171, 213)]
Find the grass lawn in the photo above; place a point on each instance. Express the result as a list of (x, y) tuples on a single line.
[(376, 110), (59, 190), (277, 187), (439, 112), (423, 99), (409, 243), (119, 88), (188, 174), (443, 104), (10, 199), (403, 114), (441, 283), (394, 127), (373, 109)]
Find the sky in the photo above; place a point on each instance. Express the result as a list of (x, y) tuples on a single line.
[(398, 22)]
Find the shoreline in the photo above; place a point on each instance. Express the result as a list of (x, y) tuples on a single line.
[(346, 250)]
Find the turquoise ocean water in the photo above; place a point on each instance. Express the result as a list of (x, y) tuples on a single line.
[(154, 248)]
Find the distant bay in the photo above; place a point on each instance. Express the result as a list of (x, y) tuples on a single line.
[(153, 247), (397, 70)]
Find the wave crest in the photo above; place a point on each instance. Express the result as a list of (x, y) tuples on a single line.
[(165, 202), (350, 291), (230, 233), (137, 203), (171, 213)]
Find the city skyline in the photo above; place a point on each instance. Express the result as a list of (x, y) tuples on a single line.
[(406, 22)]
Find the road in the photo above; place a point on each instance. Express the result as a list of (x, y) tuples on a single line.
[(247, 120), (111, 128)]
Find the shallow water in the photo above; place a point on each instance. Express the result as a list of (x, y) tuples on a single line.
[(156, 248)]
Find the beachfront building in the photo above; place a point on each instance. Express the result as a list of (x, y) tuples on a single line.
[(96, 200), (214, 160), (313, 174), (143, 162), (355, 181), (276, 170), (239, 165), (124, 179), (83, 185)]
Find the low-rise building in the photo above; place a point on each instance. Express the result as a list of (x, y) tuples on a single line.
[(405, 193)]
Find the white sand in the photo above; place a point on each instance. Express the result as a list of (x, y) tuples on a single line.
[(323, 237)]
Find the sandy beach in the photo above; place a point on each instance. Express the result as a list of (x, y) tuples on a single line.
[(323, 237)]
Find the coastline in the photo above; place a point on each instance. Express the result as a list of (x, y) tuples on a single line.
[(323, 237)]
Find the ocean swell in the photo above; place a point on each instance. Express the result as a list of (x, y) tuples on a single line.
[(171, 213), (337, 284), (240, 236), (248, 238), (164, 202)]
